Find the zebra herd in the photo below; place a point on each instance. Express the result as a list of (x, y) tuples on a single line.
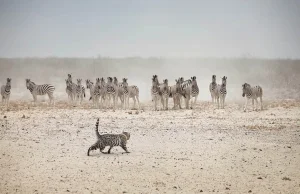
[(181, 90), (106, 94), (103, 94)]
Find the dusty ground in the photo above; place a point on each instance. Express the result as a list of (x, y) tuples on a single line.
[(177, 151)]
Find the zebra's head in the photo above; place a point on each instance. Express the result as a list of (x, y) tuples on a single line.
[(109, 79), (214, 78), (8, 83), (79, 82), (97, 81), (178, 85), (87, 82), (115, 81), (155, 78), (28, 83), (245, 86), (154, 81), (193, 80), (181, 79), (165, 81), (224, 80), (69, 77)]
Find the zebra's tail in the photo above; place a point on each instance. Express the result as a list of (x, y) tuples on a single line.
[(90, 98)]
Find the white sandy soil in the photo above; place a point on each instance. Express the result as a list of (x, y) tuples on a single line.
[(205, 150)]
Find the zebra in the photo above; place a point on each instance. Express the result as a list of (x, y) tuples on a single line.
[(111, 92), (130, 92), (120, 91), (213, 89), (165, 92), (69, 90), (40, 90), (176, 93), (155, 91), (183, 83), (221, 89), (93, 93), (253, 93), (72, 87), (5, 92), (190, 90), (101, 90), (80, 91)]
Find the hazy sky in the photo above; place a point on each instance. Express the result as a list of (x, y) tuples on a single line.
[(224, 28)]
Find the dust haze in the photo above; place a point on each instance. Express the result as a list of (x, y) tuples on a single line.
[(278, 77)]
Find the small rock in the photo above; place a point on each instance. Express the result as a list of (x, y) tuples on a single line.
[(289, 146), (4, 117), (201, 191), (249, 191), (23, 117), (259, 178), (227, 188)]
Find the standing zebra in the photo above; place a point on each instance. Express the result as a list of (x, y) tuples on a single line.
[(176, 93), (101, 91), (213, 88), (119, 91), (155, 92), (71, 87), (91, 87), (222, 92), (40, 90), (69, 90), (5, 92), (253, 93), (130, 92), (165, 92), (190, 90), (80, 91), (111, 92)]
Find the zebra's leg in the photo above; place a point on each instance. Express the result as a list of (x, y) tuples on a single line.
[(253, 104), (187, 99), (134, 102), (256, 104), (138, 101), (195, 100), (261, 103), (162, 102), (34, 100), (115, 99), (174, 101), (167, 102), (218, 100), (246, 103)]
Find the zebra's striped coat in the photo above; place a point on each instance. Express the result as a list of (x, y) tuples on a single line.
[(5, 92), (36, 90), (213, 89), (222, 92), (252, 93), (130, 92)]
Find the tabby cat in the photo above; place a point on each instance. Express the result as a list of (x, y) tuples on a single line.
[(109, 140)]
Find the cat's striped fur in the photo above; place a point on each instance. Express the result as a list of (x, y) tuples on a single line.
[(110, 140)]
